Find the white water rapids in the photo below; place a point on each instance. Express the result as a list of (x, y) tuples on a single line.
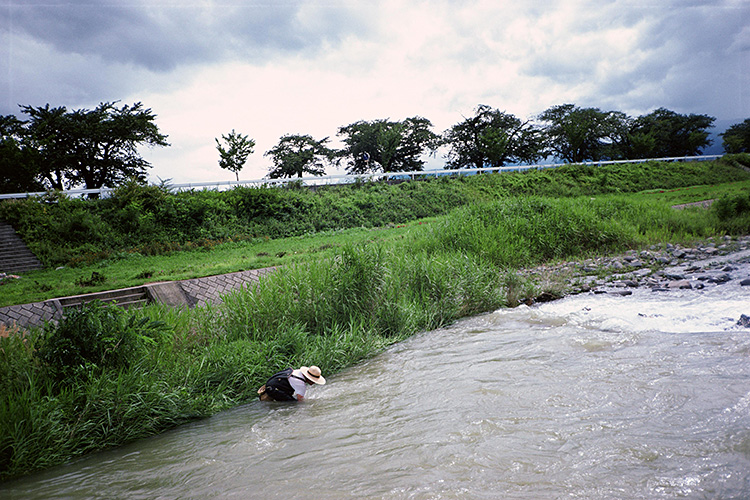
[(592, 397)]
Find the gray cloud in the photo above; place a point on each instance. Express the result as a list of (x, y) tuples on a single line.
[(161, 35), (688, 56), (77, 51)]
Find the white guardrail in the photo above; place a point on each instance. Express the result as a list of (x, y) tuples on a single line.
[(348, 179)]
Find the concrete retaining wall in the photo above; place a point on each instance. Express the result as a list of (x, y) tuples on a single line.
[(186, 293)]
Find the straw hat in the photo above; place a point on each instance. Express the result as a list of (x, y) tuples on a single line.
[(313, 374)]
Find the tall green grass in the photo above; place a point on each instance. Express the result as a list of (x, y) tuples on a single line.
[(379, 290), (516, 232), (104, 376), (733, 213)]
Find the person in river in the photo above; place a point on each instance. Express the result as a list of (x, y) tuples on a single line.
[(290, 384)]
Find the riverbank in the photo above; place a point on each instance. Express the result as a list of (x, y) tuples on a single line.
[(659, 268), (104, 377), (586, 397)]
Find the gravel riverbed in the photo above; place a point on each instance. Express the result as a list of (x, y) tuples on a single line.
[(661, 268)]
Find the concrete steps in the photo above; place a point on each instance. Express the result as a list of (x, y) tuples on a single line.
[(135, 297), (14, 256)]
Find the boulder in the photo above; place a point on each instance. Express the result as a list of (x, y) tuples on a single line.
[(681, 284), (719, 279), (546, 297)]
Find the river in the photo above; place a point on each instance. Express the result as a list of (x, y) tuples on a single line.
[(592, 397)]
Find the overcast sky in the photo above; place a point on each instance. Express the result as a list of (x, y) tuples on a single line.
[(274, 67)]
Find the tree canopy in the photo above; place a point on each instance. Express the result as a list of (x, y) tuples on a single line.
[(579, 134), (298, 154), (55, 148), (233, 155), (491, 138), (387, 146), (664, 133), (19, 165), (95, 148), (736, 139)]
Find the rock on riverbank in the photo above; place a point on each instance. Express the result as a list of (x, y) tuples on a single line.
[(661, 268)]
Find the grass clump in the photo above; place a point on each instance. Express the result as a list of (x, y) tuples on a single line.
[(516, 232), (733, 213), (93, 339)]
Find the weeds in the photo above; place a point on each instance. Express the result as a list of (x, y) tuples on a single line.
[(95, 279), (733, 213)]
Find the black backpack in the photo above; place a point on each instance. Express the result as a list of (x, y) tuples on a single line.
[(278, 386)]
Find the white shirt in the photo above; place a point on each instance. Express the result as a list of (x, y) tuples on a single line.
[(298, 385)]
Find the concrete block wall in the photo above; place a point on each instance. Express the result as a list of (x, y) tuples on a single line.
[(211, 289), (185, 293)]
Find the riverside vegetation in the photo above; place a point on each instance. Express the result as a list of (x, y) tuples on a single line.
[(104, 376)]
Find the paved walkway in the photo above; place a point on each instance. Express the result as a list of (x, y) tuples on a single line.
[(185, 293)]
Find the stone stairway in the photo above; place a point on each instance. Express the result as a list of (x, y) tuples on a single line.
[(136, 297), (14, 256)]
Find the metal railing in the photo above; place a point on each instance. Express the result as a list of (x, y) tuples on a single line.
[(349, 179)]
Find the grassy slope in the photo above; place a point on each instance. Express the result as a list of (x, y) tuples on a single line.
[(127, 270), (124, 269), (57, 400)]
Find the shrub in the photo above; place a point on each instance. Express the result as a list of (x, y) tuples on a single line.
[(95, 279), (92, 339), (733, 213), (727, 207)]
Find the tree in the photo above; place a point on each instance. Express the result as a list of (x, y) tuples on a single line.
[(736, 139), (664, 133), (95, 148), (49, 134), (298, 154), (578, 134), (491, 138), (234, 156), (19, 165), (387, 146)]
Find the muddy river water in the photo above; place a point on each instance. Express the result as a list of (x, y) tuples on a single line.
[(593, 396)]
